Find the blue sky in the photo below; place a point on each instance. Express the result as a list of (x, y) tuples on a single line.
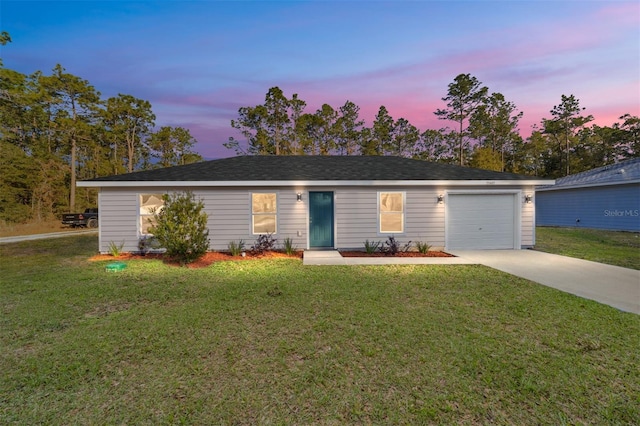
[(197, 62)]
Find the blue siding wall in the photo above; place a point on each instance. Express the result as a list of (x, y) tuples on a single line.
[(605, 207)]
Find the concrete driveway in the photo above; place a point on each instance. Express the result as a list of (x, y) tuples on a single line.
[(610, 285)]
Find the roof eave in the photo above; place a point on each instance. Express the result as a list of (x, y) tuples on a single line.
[(313, 183), (588, 185)]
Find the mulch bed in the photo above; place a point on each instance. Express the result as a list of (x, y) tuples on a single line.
[(203, 262), (402, 254), (216, 256)]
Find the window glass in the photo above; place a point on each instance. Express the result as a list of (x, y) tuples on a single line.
[(391, 212), (263, 203), (149, 205), (391, 202), (263, 213)]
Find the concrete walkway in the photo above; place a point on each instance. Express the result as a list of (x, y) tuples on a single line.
[(610, 285), (19, 238)]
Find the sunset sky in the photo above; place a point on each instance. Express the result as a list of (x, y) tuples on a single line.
[(197, 62)]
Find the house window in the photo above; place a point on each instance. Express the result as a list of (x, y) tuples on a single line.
[(149, 205), (263, 213), (391, 212)]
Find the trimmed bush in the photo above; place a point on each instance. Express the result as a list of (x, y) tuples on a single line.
[(181, 227)]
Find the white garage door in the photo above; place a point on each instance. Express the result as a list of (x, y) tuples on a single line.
[(481, 221)]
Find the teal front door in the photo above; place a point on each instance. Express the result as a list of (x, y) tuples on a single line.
[(321, 219)]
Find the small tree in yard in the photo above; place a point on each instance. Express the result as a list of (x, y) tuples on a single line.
[(181, 227)]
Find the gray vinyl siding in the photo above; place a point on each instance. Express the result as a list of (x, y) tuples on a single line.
[(528, 218), (229, 213), (356, 215), (424, 217), (228, 210), (119, 215), (292, 217), (229, 216)]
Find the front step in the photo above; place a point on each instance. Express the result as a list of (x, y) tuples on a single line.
[(322, 257)]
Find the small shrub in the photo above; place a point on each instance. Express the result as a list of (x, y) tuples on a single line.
[(370, 247), (115, 249), (392, 246), (236, 248), (181, 227), (423, 247), (264, 243), (288, 246)]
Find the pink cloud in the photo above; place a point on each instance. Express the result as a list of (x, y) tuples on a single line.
[(536, 66), (623, 13)]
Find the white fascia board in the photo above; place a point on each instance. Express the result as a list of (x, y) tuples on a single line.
[(588, 185), (314, 183)]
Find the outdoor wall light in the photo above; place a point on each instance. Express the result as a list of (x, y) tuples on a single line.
[(299, 195), (528, 198), (440, 199)]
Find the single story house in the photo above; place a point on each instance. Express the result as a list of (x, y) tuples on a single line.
[(329, 202), (604, 198)]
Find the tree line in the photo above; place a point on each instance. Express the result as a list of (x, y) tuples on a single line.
[(56, 129), (482, 132)]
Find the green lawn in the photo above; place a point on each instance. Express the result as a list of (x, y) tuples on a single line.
[(273, 342), (611, 247)]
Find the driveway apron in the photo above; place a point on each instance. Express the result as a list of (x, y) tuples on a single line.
[(610, 285)]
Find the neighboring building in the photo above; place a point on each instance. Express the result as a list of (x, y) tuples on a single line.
[(604, 198), (330, 202)]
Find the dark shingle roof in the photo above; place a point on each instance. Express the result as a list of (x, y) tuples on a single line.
[(312, 168)]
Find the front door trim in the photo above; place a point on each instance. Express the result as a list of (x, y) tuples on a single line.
[(331, 223)]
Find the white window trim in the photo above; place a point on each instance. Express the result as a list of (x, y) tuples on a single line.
[(404, 213), (252, 215)]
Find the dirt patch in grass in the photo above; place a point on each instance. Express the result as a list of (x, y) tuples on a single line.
[(402, 254), (206, 260)]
